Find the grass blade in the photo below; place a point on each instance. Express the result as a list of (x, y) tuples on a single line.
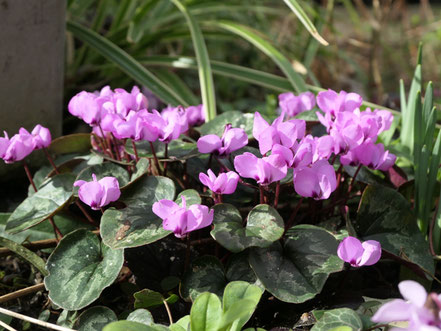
[(253, 37), (180, 86), (127, 63), (204, 67), (301, 15)]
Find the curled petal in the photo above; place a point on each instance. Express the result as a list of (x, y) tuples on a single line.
[(209, 143), (413, 292), (164, 208), (371, 253)]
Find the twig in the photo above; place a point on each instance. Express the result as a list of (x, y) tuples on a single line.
[(168, 311), (6, 326), (22, 292), (34, 320)]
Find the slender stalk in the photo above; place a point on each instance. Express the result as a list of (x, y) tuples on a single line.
[(262, 194), (135, 151), (6, 326), (353, 178), (107, 148), (276, 198), (116, 146), (187, 253), (166, 157), (294, 214), (51, 161), (209, 161), (57, 231), (170, 318), (158, 169), (22, 292), (34, 320), (85, 213), (28, 174)]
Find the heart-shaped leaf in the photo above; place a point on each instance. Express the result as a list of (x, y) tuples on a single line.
[(137, 225), (206, 274), (104, 170), (141, 316), (192, 197), (54, 193), (95, 318), (73, 143), (386, 216), (236, 118), (238, 268), (148, 299), (297, 271), (80, 268), (264, 226), (336, 318)]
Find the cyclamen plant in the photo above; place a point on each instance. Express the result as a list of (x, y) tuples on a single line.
[(260, 189)]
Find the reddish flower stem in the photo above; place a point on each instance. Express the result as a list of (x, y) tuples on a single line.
[(116, 146), (293, 215), (262, 194), (276, 198), (353, 179), (158, 168), (165, 157), (135, 151)]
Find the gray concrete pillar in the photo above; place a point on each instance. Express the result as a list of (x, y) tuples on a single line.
[(31, 64)]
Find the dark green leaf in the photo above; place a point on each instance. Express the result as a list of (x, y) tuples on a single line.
[(264, 226), (136, 224), (206, 274), (73, 143), (133, 326), (236, 118), (297, 271), (148, 299), (192, 197), (238, 268), (51, 198), (386, 216), (80, 268), (177, 149)]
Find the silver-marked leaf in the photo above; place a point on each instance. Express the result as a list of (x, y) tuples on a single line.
[(95, 318), (342, 317), (104, 170), (386, 216), (137, 225), (177, 149), (238, 268), (53, 194), (80, 268), (141, 168), (236, 118), (264, 226), (141, 316), (192, 197), (297, 271), (205, 275)]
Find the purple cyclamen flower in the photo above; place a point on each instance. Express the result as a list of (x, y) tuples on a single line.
[(195, 115), (225, 183), (371, 155), (20, 145), (170, 125), (332, 102), (358, 254), (88, 107), (41, 136), (182, 220), (232, 140), (122, 102), (279, 132), (4, 143), (294, 105), (98, 193), (317, 181), (419, 309), (264, 170)]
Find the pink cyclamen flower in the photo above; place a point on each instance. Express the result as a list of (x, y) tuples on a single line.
[(225, 183), (279, 132), (122, 102), (232, 140), (88, 107), (358, 254), (4, 143), (98, 193), (41, 136), (317, 181), (182, 220), (419, 309), (294, 105), (333, 103), (20, 145), (195, 115), (371, 155), (264, 170)]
